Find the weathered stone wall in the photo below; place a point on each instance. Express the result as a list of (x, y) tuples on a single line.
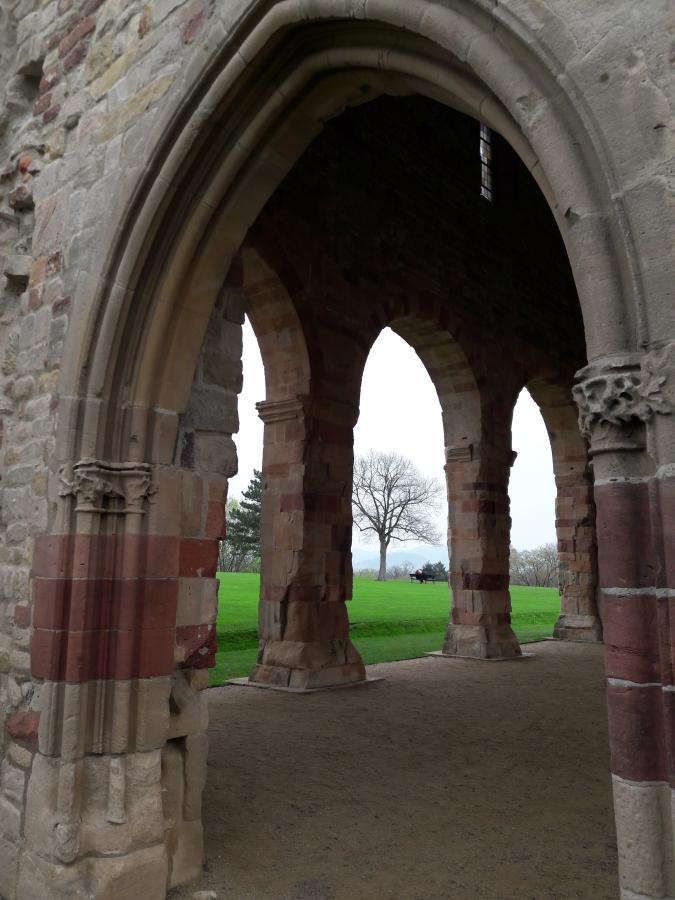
[(102, 160)]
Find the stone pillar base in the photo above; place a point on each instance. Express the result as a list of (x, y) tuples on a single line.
[(140, 873), (578, 628), (308, 665), (482, 641), (308, 679)]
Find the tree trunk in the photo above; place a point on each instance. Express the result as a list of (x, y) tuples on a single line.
[(382, 574)]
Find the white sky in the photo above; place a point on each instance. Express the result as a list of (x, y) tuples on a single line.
[(394, 383)]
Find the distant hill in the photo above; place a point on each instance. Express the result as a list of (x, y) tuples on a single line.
[(416, 555)]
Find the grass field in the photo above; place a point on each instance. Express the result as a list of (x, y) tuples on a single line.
[(389, 619)]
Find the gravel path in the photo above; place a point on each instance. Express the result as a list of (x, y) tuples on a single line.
[(450, 780)]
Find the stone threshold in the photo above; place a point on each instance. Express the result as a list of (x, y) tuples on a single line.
[(440, 655), (244, 682)]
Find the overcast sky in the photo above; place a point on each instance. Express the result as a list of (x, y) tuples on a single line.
[(394, 383)]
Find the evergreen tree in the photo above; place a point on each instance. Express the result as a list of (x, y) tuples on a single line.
[(435, 571), (241, 547)]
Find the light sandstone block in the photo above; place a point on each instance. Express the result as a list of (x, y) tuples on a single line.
[(185, 845), (141, 874), (40, 878), (185, 708), (9, 856), (197, 601), (10, 819), (644, 829), (12, 782), (196, 753), (173, 783), (152, 720)]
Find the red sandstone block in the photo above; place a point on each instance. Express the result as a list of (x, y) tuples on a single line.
[(80, 30), (23, 726), (199, 645), (22, 616), (74, 58), (625, 557), (87, 655), (637, 732), (55, 39), (155, 654), (335, 434), (666, 634), (50, 602), (477, 581), (215, 520), (631, 636), (42, 104), (329, 504), (59, 305), (666, 527), (79, 656), (669, 729), (49, 80), (162, 558), (291, 502), (493, 487), (46, 650), (150, 556), (198, 558), (106, 556), (73, 604), (192, 28), (54, 263), (51, 113)]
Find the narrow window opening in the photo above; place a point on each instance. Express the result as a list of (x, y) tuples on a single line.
[(485, 162)]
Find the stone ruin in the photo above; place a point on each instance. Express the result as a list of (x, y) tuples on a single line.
[(493, 181)]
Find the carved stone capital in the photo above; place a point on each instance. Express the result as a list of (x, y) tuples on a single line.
[(618, 396), (104, 487)]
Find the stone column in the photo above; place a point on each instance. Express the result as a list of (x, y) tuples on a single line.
[(626, 406), (479, 533), (574, 517), (306, 545), (123, 619)]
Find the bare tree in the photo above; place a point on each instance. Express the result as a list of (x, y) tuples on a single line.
[(393, 501), (537, 568)]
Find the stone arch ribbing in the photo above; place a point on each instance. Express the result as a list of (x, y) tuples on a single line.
[(570, 183)]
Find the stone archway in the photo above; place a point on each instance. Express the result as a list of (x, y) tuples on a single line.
[(303, 627), (478, 459), (128, 376)]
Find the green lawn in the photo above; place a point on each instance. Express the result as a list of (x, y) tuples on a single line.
[(389, 619)]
